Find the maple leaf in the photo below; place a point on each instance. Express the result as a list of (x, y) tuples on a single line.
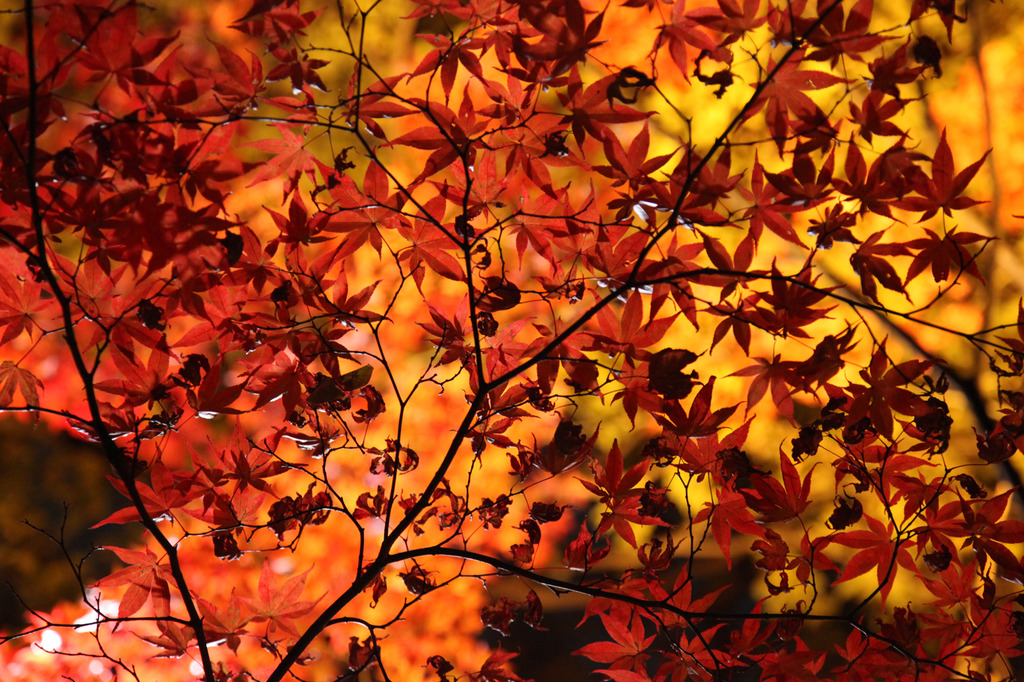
[(777, 502), (617, 489), (632, 166), (432, 247), (785, 94), (872, 263), (827, 359), (683, 34), (14, 378), (835, 38), (876, 549), (767, 209), (115, 48), (627, 652), (730, 512), (167, 491), (277, 603), (806, 183), (565, 35), (147, 579), (777, 374), (225, 625), (289, 159), (945, 254), (21, 302), (700, 420), (883, 392), (944, 191), (986, 530), (174, 639), (585, 551), (729, 17), (446, 134), (495, 669), (299, 69), (874, 116), (210, 398), (627, 330), (591, 110), (238, 81)]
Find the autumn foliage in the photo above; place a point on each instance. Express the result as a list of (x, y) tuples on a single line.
[(396, 323)]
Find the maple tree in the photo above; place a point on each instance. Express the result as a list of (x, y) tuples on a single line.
[(602, 300)]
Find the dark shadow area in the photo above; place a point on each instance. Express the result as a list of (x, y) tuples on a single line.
[(51, 487)]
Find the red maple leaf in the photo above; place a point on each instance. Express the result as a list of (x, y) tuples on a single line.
[(289, 159), (277, 603)]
